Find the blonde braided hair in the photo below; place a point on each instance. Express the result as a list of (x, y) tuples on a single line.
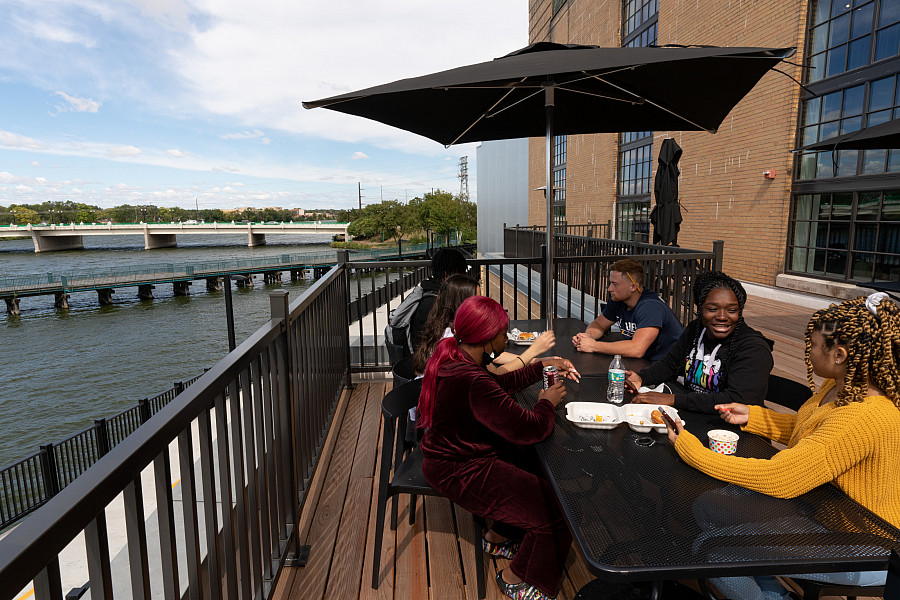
[(872, 342)]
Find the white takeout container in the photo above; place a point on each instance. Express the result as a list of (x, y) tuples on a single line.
[(583, 414), (638, 417), (514, 337)]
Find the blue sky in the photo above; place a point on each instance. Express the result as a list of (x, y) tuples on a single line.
[(177, 102)]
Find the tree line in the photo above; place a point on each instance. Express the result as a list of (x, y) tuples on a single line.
[(440, 211), (76, 212)]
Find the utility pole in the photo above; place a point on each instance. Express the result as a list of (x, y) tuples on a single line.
[(359, 185), (464, 178)]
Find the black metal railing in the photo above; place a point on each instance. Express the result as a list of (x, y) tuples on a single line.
[(29, 483), (245, 437)]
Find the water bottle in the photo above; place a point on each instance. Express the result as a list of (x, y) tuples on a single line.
[(615, 391)]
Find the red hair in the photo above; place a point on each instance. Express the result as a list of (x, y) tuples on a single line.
[(478, 320)]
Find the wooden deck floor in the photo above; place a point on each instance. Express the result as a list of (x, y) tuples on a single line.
[(433, 558)]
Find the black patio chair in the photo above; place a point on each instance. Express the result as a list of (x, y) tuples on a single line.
[(403, 371), (787, 392), (407, 477)]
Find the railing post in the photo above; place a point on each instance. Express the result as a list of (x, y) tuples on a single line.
[(48, 470), (144, 410), (102, 436), (343, 260), (718, 254), (545, 282), (179, 387)]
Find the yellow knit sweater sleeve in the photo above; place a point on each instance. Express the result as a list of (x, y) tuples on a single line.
[(774, 425), (840, 440)]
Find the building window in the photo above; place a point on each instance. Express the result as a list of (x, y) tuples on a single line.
[(559, 180), (639, 26), (634, 186), (844, 223), (639, 18), (846, 35), (853, 236)]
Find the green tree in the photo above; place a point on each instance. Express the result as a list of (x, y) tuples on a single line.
[(24, 215)]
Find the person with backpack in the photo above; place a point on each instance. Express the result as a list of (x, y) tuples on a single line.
[(406, 322)]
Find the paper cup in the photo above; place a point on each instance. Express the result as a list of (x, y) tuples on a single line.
[(722, 441)]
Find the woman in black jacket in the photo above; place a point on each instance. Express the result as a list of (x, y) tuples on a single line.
[(721, 358)]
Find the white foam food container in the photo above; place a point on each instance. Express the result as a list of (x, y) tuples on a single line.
[(603, 415), (638, 417), (594, 415)]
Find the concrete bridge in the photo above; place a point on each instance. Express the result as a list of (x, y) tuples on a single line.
[(47, 238)]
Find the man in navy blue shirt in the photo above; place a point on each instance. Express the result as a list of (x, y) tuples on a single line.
[(648, 325)]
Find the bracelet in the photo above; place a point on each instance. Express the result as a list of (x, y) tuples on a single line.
[(521, 361)]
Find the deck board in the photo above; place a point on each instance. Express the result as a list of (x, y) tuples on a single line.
[(426, 559)]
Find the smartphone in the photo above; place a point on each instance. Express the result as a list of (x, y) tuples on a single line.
[(669, 420)]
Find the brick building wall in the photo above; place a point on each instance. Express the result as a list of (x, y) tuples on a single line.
[(722, 189)]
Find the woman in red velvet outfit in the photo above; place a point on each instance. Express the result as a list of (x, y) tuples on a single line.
[(475, 432)]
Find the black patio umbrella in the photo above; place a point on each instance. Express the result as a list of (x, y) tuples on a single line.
[(666, 215), (883, 136), (553, 89)]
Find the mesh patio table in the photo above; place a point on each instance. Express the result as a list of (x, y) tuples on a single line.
[(639, 513)]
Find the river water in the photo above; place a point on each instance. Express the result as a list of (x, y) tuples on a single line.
[(60, 370)]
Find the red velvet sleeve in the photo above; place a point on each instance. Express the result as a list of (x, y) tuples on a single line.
[(519, 379), (497, 410)]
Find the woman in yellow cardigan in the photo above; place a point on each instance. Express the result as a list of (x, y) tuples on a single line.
[(847, 434)]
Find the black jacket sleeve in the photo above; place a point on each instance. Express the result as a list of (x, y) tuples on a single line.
[(670, 366)]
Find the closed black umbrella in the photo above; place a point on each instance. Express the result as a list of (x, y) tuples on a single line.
[(554, 89), (882, 136), (666, 215)]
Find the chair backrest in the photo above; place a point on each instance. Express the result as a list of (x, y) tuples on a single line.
[(399, 400), (787, 392), (403, 371), (892, 585)]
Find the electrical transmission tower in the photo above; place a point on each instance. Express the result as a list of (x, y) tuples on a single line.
[(464, 178)]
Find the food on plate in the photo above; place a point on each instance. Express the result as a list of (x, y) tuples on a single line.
[(526, 335), (656, 417)]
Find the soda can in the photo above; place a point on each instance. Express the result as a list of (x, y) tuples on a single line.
[(551, 376)]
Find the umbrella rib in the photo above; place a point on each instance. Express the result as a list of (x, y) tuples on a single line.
[(485, 113), (595, 95), (651, 102)]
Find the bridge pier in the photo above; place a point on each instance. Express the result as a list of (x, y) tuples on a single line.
[(104, 296), (256, 239), (145, 292), (61, 300), (270, 277), (45, 243), (12, 306), (296, 274), (158, 240), (244, 280), (181, 288), (213, 284)]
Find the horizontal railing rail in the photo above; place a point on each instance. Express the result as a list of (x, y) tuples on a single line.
[(245, 436)]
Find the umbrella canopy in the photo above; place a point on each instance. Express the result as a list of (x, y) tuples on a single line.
[(553, 89), (597, 90), (666, 215), (883, 136)]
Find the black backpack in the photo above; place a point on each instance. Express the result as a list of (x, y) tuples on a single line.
[(397, 331)]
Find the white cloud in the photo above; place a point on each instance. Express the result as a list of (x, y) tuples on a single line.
[(176, 153), (49, 32), (77, 104), (243, 135), (14, 140), (35, 163), (124, 151), (359, 155)]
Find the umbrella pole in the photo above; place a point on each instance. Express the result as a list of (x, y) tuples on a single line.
[(550, 300)]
